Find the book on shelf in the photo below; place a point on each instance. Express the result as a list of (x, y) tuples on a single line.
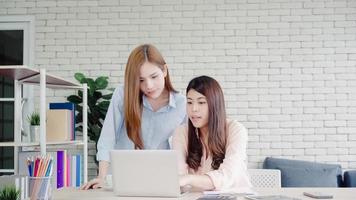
[(77, 167), (60, 168), (67, 106), (68, 171), (58, 125), (73, 172)]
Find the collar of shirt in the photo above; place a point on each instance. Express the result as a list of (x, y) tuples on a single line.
[(171, 103)]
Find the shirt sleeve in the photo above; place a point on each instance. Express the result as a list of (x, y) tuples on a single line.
[(113, 121), (233, 170), (179, 143)]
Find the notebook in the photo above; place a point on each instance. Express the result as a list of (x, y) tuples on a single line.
[(145, 173)]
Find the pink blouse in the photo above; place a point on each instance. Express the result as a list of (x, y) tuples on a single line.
[(232, 174)]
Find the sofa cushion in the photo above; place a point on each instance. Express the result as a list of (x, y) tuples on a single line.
[(308, 177), (350, 178), (297, 173)]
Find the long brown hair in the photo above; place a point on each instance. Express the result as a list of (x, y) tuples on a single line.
[(132, 93), (217, 136)]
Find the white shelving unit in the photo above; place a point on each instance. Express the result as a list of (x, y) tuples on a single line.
[(24, 75)]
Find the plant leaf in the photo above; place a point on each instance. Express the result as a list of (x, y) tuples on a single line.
[(79, 108), (107, 96), (101, 82), (79, 77), (104, 105), (9, 192), (74, 99), (91, 85), (79, 128), (80, 93), (97, 95)]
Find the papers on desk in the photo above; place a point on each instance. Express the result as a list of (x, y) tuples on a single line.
[(229, 192), (223, 195), (214, 193), (217, 197), (249, 195), (270, 197)]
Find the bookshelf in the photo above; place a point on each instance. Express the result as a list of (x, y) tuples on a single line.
[(24, 75)]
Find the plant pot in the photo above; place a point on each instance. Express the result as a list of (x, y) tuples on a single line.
[(34, 133)]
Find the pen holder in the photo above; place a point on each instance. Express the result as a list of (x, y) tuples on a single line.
[(40, 188)]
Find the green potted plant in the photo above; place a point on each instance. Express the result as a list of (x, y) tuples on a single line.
[(34, 120), (9, 193), (98, 104)]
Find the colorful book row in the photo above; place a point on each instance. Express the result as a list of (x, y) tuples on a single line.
[(68, 170)]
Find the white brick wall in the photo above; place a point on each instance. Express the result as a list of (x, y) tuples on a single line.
[(288, 67)]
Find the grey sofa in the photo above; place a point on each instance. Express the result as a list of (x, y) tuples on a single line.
[(297, 173), (350, 178)]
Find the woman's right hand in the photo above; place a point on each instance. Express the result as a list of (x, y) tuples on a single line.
[(93, 184), (99, 181)]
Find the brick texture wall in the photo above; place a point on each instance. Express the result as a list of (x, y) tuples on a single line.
[(287, 67)]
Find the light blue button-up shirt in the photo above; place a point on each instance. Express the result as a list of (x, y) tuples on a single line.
[(156, 127)]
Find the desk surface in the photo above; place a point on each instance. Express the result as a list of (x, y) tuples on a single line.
[(103, 194)]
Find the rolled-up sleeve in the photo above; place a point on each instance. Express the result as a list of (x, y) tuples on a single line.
[(233, 170), (112, 122)]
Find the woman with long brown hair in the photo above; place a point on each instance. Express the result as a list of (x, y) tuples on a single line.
[(211, 148), (143, 113)]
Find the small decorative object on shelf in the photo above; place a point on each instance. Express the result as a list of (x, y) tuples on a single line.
[(34, 120)]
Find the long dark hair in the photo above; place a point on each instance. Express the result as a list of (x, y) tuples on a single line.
[(133, 95), (217, 136)]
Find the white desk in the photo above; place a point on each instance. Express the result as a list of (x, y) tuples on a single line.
[(338, 193), (102, 194)]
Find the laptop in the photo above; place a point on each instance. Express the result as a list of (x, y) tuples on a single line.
[(145, 173)]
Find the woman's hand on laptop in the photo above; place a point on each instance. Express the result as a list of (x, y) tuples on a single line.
[(184, 180), (93, 184), (202, 182)]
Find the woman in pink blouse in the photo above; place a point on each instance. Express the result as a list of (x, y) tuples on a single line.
[(211, 149)]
